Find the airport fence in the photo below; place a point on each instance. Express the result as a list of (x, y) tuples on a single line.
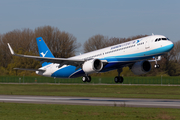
[(95, 80)]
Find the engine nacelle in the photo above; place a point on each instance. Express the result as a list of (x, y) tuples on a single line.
[(141, 67), (92, 66)]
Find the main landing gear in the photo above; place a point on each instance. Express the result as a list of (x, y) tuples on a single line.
[(119, 78), (86, 78)]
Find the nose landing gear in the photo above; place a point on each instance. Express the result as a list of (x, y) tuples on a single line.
[(157, 65), (157, 59)]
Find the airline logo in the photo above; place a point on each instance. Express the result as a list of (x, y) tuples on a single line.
[(43, 55), (138, 41)]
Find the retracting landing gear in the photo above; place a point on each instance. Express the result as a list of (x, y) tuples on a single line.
[(86, 78), (118, 78)]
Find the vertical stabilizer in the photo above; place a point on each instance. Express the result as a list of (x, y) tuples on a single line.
[(43, 50)]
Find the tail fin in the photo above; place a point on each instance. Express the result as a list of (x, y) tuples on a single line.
[(43, 50)]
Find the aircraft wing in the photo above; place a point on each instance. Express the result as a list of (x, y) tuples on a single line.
[(62, 61)]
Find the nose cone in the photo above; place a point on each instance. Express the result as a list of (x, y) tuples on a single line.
[(170, 46)]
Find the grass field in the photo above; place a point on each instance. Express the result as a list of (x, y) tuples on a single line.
[(17, 111), (22, 111), (119, 91), (107, 80)]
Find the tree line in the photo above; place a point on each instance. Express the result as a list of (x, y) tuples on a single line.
[(63, 45)]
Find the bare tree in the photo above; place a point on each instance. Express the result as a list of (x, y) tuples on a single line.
[(20, 40), (99, 41), (172, 62), (95, 42), (61, 44)]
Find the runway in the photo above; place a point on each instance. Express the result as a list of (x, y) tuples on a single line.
[(122, 102)]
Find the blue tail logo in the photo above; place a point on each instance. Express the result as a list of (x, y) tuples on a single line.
[(43, 55), (43, 50)]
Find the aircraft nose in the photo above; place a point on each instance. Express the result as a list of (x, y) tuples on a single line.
[(171, 45)]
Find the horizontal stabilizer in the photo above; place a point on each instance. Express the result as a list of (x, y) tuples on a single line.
[(29, 69)]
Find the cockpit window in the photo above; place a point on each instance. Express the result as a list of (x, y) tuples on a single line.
[(159, 39), (164, 39)]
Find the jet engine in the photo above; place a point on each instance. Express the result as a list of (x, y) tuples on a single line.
[(92, 66), (141, 67)]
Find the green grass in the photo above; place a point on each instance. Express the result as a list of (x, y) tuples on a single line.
[(118, 91), (175, 80), (19, 111)]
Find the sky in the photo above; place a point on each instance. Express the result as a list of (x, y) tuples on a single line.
[(84, 19)]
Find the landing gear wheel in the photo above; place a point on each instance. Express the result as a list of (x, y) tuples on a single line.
[(121, 79), (118, 79), (86, 78), (157, 66)]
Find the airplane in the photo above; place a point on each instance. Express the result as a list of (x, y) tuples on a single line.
[(135, 54)]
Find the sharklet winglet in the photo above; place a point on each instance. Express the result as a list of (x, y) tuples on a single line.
[(11, 50)]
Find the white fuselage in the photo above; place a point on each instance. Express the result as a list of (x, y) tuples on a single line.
[(132, 51)]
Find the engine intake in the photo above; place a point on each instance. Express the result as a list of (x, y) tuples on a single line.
[(141, 67), (92, 66)]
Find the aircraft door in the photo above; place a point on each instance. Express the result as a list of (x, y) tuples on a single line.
[(147, 44)]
